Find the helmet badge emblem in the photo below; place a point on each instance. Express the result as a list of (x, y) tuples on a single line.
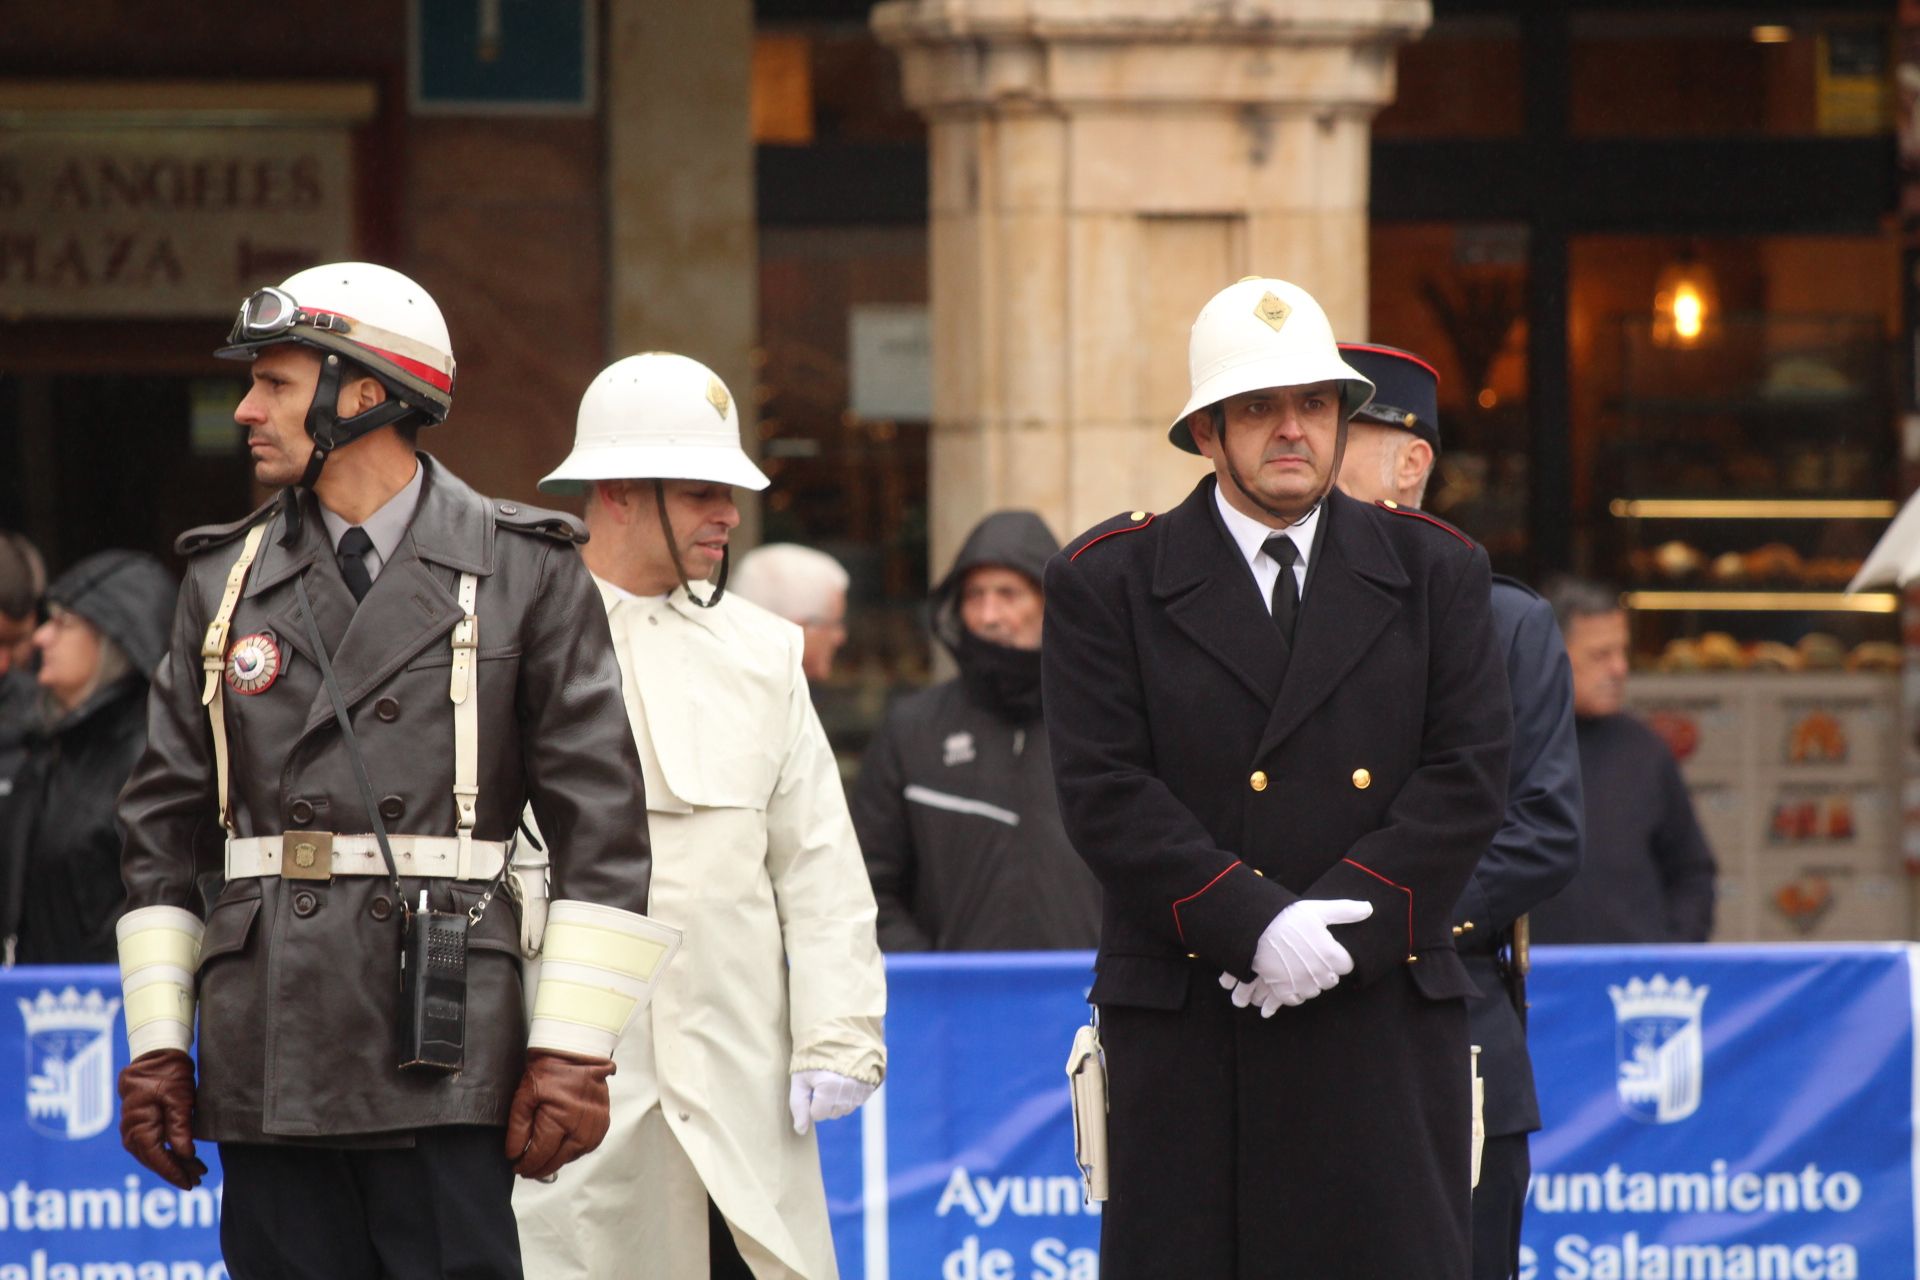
[(1271, 311), (717, 396), (253, 664)]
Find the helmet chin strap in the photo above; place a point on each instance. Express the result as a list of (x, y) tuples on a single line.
[(673, 553), (329, 431), (1286, 521)]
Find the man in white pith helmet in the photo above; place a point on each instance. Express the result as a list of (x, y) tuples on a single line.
[(1279, 727), (369, 679), (770, 1020)]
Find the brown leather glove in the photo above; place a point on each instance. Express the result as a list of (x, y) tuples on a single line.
[(156, 1116), (559, 1112)]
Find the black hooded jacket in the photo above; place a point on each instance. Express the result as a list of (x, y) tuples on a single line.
[(60, 891), (955, 805)]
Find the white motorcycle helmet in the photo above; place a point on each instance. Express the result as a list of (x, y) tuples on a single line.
[(359, 314), (369, 314)]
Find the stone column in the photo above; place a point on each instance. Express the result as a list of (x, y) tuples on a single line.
[(683, 262), (1099, 169)]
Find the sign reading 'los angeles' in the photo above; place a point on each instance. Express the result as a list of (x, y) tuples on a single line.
[(164, 221)]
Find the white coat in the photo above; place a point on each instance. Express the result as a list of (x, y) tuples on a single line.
[(754, 858)]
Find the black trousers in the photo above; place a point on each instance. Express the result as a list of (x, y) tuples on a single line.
[(442, 1207), (1505, 1167), (723, 1255)]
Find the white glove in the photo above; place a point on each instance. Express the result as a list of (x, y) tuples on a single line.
[(823, 1095), (1255, 992), (1297, 957)]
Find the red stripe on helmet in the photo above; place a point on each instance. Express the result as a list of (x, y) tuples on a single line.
[(426, 373)]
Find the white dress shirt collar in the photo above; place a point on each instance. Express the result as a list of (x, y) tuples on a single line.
[(1250, 536), (384, 527)]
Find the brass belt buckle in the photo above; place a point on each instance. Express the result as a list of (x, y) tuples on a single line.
[(306, 855)]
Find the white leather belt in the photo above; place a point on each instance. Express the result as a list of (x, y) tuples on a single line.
[(359, 855)]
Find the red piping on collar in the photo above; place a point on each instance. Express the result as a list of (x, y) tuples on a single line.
[(1132, 528), (1421, 515)]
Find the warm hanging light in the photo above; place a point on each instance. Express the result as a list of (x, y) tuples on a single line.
[(1685, 303)]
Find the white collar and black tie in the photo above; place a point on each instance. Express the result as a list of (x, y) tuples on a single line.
[(365, 548), (1251, 537)]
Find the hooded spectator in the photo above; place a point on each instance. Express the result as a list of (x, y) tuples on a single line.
[(106, 630), (955, 804)]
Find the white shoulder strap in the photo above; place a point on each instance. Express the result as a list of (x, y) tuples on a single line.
[(466, 718), (213, 660)]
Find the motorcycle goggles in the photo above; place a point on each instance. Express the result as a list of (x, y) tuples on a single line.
[(271, 312)]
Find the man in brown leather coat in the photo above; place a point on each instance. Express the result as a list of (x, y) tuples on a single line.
[(471, 651)]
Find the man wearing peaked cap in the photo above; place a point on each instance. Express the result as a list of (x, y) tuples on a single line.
[(769, 1020), (1280, 730), (1537, 849)]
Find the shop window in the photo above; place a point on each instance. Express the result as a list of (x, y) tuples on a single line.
[(1699, 73), (828, 82), (842, 390), (1455, 294), (1462, 79), (1755, 458), (142, 456)]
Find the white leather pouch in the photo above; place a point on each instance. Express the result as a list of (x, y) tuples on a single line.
[(1479, 1115), (1087, 1086)]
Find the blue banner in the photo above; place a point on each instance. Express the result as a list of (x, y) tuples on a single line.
[(1717, 1112), (73, 1205), (1712, 1113)]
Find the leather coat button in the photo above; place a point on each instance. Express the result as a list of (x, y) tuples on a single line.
[(305, 903), (380, 908), (301, 811), (391, 807), (387, 709)]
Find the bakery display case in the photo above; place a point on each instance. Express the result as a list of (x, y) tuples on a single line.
[(1750, 477)]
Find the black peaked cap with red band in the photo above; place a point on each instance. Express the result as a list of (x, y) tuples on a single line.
[(1406, 389)]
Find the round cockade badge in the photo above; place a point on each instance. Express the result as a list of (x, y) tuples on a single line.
[(253, 664)]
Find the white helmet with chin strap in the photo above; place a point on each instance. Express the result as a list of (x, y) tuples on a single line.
[(658, 416), (359, 313), (1257, 333)]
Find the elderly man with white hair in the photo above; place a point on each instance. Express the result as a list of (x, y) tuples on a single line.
[(806, 587)]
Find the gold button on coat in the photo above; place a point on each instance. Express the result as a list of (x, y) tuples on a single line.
[(1258, 781), (1362, 779)]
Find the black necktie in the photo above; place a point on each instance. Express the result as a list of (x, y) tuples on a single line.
[(354, 545), (1286, 592)]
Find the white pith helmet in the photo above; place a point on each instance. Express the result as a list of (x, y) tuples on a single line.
[(1258, 333), (372, 315), (656, 416)]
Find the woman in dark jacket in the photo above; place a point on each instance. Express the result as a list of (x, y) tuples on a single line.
[(106, 631)]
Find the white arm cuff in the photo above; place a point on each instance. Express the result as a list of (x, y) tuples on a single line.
[(159, 951), (598, 966)]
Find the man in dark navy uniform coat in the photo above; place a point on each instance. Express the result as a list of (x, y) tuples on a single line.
[(1391, 448), (1281, 727)]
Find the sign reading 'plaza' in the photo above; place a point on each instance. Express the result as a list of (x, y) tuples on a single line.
[(165, 222)]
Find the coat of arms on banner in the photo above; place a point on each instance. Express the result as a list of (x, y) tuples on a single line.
[(1658, 1049), (69, 1063)]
